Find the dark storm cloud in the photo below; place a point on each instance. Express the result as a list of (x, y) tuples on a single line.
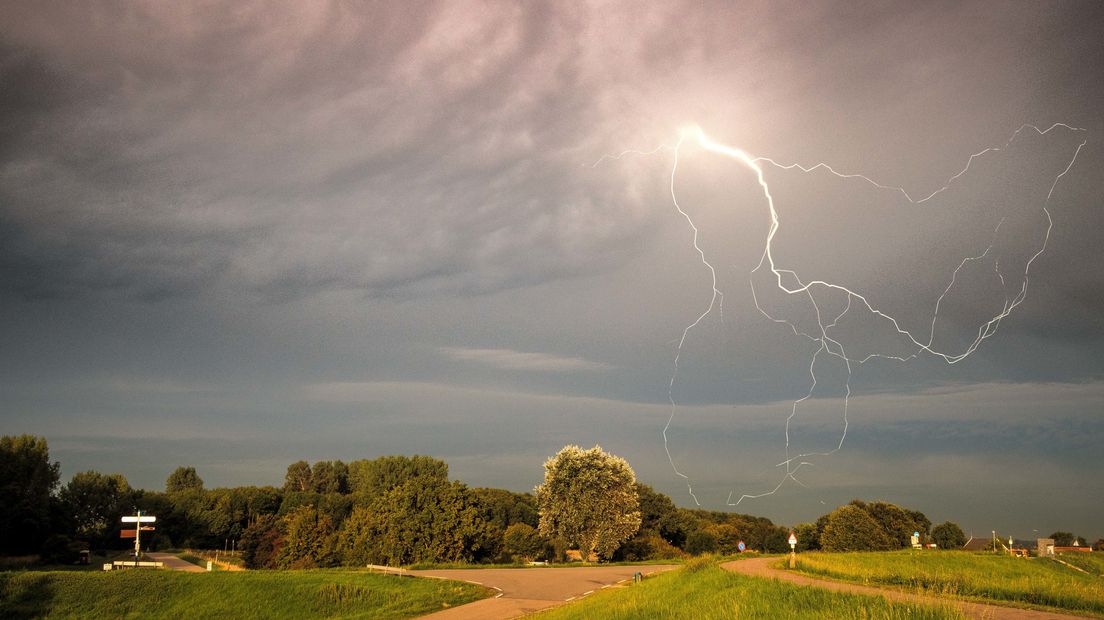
[(206, 208), (288, 149)]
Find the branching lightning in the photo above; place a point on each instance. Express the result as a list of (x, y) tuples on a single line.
[(826, 344)]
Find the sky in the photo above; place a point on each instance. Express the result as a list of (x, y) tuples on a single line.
[(235, 235)]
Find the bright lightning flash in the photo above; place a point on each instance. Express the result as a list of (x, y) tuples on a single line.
[(826, 344)]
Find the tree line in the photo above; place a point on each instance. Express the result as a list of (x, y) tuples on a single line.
[(403, 510)]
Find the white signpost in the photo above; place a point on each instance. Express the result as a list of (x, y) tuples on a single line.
[(138, 520), (793, 550)]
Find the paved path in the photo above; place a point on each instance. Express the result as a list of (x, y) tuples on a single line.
[(761, 567), (172, 562), (526, 590)]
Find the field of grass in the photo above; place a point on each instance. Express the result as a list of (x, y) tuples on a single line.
[(711, 592), (1088, 562), (195, 559), (468, 565), (1021, 581), (253, 594)]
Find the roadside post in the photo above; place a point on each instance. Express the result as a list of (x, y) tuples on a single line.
[(793, 550), (138, 521)]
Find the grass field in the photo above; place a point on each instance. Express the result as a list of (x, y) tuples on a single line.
[(713, 593), (1088, 562), (255, 594), (1024, 581), (468, 565)]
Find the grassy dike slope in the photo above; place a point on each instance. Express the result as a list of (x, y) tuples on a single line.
[(996, 577), (709, 592), (254, 594)]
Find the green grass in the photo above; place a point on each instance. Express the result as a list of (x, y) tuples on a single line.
[(467, 565), (254, 594), (710, 592), (1088, 562), (194, 559), (999, 578)]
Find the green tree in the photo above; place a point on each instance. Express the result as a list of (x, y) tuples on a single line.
[(894, 521), (701, 541), (590, 498), (309, 540), (660, 516), (850, 528), (330, 477), (923, 523), (183, 479), (948, 535), (424, 519), (504, 508), (808, 539), (1062, 539), (95, 503), (298, 477), (371, 478), (262, 541), (27, 480), (522, 541)]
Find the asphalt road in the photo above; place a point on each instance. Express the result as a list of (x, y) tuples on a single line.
[(526, 590), (761, 567), (172, 562)]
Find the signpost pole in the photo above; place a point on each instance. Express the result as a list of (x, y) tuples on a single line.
[(138, 537), (793, 550)]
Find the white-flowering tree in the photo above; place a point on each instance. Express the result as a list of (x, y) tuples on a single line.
[(589, 499)]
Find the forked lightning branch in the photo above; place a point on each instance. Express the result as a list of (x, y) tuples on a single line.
[(815, 291)]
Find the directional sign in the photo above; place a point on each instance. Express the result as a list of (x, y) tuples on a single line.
[(793, 540), (741, 546), (142, 519)]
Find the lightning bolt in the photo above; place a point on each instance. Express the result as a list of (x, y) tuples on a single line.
[(826, 344)]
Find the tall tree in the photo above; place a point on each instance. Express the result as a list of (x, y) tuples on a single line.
[(309, 540), (370, 478), (425, 519), (330, 477), (948, 535), (27, 480), (298, 477), (262, 541), (589, 497), (504, 508), (95, 503), (894, 520), (522, 541), (183, 479), (660, 516), (850, 528), (1062, 539)]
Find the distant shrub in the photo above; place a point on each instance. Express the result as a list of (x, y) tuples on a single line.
[(700, 562)]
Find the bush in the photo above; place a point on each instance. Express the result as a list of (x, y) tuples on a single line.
[(701, 562), (948, 536), (60, 549), (522, 541), (851, 528), (701, 541), (647, 547)]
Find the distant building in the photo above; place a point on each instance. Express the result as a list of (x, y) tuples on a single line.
[(1046, 548)]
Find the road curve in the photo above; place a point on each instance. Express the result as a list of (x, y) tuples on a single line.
[(526, 590), (762, 567)]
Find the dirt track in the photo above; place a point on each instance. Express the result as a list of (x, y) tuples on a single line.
[(761, 567), (526, 590)]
